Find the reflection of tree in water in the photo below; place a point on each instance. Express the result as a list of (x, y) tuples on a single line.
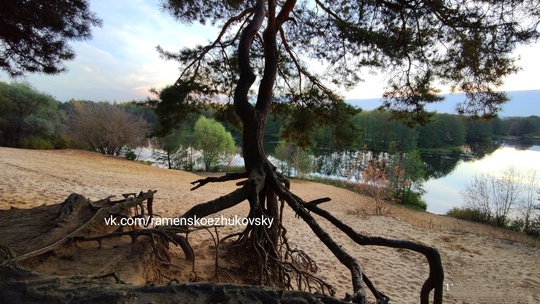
[(478, 150), (521, 144), (438, 165)]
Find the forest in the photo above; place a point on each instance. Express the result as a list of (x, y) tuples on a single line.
[(35, 120)]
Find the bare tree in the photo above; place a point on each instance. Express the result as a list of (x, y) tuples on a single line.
[(528, 203), (104, 127), (505, 192), (476, 197), (493, 196)]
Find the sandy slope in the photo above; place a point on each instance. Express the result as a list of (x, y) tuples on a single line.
[(482, 265)]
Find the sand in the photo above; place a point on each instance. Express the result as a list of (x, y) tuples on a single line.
[(482, 264)]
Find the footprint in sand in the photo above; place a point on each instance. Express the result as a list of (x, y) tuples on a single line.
[(529, 283)]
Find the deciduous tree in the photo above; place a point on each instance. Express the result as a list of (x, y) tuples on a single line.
[(494, 196), (177, 150), (105, 128), (27, 113), (294, 158), (528, 202), (213, 140)]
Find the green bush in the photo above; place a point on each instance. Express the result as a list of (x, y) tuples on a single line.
[(534, 228), (516, 225), (36, 143), (413, 200), (61, 142), (468, 214), (130, 154)]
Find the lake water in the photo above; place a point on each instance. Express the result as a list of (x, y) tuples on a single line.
[(448, 174), (444, 193)]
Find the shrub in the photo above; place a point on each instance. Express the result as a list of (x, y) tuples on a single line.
[(130, 154), (413, 200), (36, 143), (516, 225), (61, 142), (468, 214), (534, 228)]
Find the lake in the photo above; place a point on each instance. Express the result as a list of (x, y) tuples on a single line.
[(447, 174), (442, 194)]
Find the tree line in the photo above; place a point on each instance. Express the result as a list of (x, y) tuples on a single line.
[(379, 132), (33, 119)]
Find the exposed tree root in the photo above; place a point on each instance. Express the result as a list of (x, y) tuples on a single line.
[(70, 209), (262, 253), (227, 177), (274, 263)]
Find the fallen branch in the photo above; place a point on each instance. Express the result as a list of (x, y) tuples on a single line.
[(108, 275)]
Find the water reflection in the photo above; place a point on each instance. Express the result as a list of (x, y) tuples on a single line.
[(446, 174), (438, 165), (522, 144), (443, 193)]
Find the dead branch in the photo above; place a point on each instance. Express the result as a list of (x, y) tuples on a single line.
[(212, 179), (108, 275)]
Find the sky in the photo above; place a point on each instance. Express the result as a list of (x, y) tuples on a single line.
[(120, 63)]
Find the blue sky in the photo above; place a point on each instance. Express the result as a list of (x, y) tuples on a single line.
[(120, 62), (520, 103)]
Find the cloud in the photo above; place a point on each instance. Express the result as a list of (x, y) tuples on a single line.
[(121, 63)]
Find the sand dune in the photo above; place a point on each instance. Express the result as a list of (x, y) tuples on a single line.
[(482, 264)]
